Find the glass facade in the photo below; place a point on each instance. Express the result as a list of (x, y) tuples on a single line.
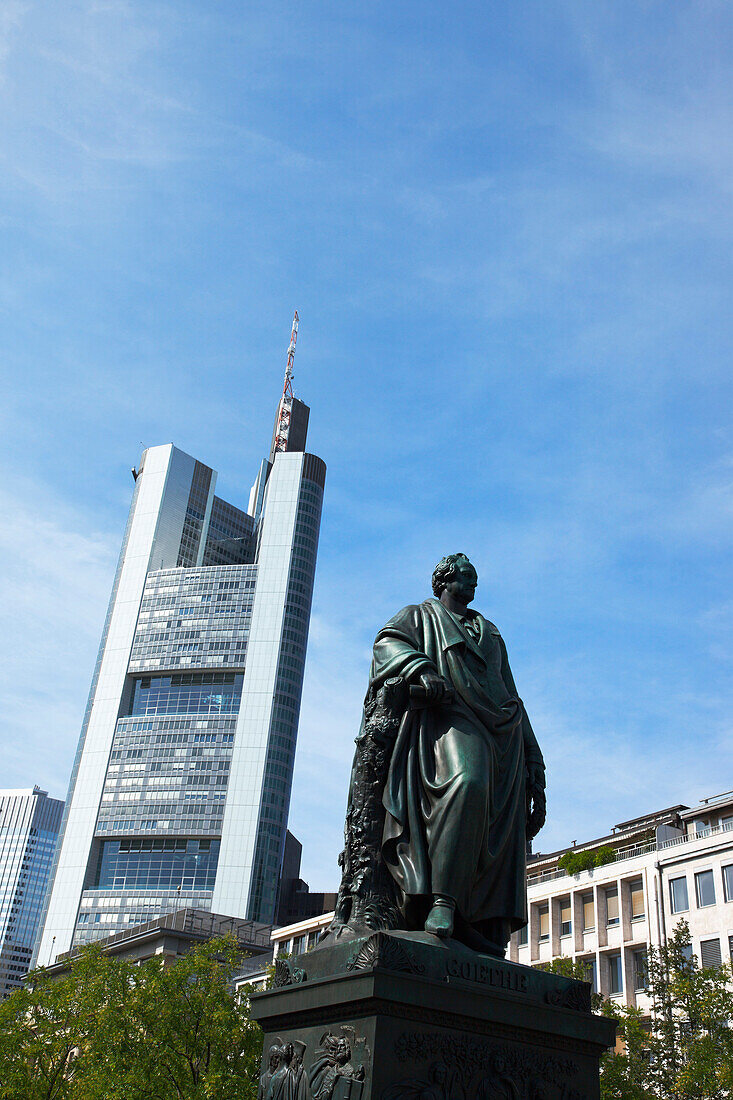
[(194, 618), (157, 864), (29, 825), (187, 693)]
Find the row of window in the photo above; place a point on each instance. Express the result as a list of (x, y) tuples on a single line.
[(587, 912), (704, 889), (156, 864)]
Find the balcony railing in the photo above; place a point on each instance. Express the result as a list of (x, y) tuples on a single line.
[(686, 838)]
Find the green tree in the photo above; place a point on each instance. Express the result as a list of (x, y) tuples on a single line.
[(47, 1025), (691, 1043), (112, 1030)]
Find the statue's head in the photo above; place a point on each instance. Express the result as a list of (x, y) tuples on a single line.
[(274, 1057), (455, 574)]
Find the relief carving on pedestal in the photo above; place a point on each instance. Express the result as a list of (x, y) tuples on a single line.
[(333, 1074), (460, 1067), (384, 951)]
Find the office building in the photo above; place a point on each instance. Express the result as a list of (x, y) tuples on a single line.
[(29, 826), (675, 864), (180, 788)]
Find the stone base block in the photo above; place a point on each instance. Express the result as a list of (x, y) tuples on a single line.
[(405, 1016)]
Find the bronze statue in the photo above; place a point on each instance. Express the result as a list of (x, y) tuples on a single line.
[(448, 782)]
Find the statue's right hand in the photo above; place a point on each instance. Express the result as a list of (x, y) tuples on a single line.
[(435, 686)]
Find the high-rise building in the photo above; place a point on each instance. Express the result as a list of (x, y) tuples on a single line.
[(180, 789), (29, 826)]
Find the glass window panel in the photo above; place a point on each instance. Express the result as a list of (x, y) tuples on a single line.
[(544, 923), (704, 889), (637, 900), (640, 970), (565, 917), (589, 913), (728, 882), (522, 936), (615, 982), (678, 895), (612, 906)]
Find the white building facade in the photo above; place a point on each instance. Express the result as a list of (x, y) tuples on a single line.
[(29, 827), (180, 789), (673, 865)]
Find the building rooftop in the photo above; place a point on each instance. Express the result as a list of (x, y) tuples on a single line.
[(195, 924)]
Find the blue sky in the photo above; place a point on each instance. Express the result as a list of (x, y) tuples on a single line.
[(507, 230)]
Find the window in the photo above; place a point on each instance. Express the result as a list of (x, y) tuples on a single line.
[(615, 980), (678, 895), (728, 882), (299, 944), (687, 952), (710, 953), (187, 693), (704, 889), (544, 915), (522, 937), (612, 906), (726, 824), (636, 889), (640, 970), (566, 925), (591, 973), (157, 864), (589, 913)]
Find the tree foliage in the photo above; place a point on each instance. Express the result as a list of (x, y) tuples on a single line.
[(684, 1051), (574, 862), (114, 1030)]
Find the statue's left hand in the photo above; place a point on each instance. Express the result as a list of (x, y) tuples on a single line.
[(536, 811), (536, 800)]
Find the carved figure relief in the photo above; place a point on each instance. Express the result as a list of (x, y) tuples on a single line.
[(332, 1075), (279, 1085), (272, 1064)]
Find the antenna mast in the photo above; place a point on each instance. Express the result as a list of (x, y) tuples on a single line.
[(286, 401)]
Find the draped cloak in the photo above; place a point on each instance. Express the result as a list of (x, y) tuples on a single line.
[(454, 799)]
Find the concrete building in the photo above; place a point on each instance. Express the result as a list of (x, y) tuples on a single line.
[(671, 865), (175, 934), (674, 864), (29, 826), (180, 789)]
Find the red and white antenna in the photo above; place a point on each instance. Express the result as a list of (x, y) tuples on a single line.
[(286, 401)]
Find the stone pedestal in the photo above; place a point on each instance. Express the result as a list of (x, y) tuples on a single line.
[(405, 1016)]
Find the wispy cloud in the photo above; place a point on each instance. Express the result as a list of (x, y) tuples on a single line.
[(56, 579)]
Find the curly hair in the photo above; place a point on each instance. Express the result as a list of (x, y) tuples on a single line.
[(444, 571)]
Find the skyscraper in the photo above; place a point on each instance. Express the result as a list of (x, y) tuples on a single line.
[(29, 825), (180, 788)]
